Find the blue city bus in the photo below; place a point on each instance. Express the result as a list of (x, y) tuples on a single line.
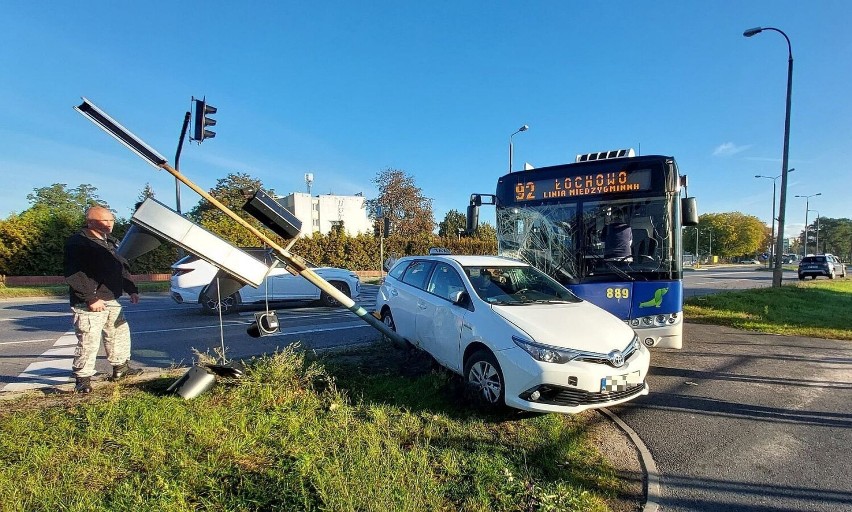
[(565, 220)]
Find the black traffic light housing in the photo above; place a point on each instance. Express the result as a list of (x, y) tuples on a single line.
[(265, 324), (202, 109), (267, 210), (382, 227)]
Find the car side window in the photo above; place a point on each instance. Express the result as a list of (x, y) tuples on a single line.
[(445, 282), (397, 270), (417, 273)]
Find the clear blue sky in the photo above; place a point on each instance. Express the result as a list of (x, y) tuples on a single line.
[(346, 89)]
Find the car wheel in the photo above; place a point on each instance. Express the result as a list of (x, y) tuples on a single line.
[(229, 305), (801, 277), (484, 379), (328, 300)]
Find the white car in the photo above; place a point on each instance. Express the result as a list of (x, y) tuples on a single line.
[(517, 337), (191, 274)]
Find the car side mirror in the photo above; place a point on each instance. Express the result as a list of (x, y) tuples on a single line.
[(461, 298)]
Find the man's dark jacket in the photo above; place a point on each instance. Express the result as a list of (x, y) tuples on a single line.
[(93, 269)]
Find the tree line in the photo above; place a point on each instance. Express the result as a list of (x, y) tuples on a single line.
[(736, 235), (31, 242)]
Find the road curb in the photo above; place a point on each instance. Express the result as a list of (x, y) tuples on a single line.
[(649, 466)]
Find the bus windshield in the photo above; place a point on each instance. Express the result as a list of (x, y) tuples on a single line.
[(616, 240)]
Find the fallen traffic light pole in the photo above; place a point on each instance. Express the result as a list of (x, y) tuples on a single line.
[(295, 262)]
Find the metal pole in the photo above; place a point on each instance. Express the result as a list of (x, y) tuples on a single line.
[(805, 242), (511, 150), (817, 236), (696, 246), (772, 222), (782, 205), (293, 260), (711, 244), (817, 231), (177, 160)]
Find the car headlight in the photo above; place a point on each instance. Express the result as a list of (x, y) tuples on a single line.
[(546, 353)]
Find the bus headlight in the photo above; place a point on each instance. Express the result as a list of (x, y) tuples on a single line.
[(661, 320)]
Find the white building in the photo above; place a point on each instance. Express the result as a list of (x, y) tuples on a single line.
[(322, 212)]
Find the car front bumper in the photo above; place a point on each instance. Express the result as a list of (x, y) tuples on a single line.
[(571, 387)]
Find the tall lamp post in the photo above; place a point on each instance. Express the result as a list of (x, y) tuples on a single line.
[(805, 241), (817, 231), (772, 220), (782, 206), (511, 155)]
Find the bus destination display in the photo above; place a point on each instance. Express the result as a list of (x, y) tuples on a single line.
[(599, 183)]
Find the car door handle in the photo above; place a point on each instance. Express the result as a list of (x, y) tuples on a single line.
[(421, 305)]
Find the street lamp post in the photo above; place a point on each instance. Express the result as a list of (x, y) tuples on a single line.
[(817, 231), (697, 261), (772, 220), (511, 156), (805, 241), (782, 206), (710, 245)]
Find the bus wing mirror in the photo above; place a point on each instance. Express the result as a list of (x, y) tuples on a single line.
[(689, 211), (472, 219)]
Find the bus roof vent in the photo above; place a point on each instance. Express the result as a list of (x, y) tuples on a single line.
[(605, 155)]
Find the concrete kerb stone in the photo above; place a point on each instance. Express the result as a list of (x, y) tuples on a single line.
[(649, 466)]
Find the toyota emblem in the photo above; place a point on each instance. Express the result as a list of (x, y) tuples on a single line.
[(616, 358)]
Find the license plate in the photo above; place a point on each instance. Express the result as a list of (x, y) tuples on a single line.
[(620, 382)]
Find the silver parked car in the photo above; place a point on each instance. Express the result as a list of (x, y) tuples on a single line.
[(191, 274)]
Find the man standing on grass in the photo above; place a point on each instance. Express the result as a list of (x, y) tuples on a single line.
[(97, 276)]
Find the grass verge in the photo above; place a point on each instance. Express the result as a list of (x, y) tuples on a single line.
[(367, 431), (819, 308), (14, 292)]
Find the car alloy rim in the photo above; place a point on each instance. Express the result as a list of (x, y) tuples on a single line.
[(486, 379), (226, 304), (388, 321)]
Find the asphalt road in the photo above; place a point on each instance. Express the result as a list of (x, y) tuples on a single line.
[(738, 421), (37, 341)]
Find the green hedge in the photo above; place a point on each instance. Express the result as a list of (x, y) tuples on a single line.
[(362, 252)]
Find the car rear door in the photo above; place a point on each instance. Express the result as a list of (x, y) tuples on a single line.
[(286, 286), (438, 321), (406, 296)]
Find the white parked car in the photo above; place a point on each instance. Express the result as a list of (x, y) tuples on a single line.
[(191, 274), (517, 337)]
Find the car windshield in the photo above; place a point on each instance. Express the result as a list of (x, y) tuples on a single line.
[(516, 285)]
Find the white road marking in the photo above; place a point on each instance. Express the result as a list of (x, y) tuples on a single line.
[(25, 341), (57, 370), (53, 372)]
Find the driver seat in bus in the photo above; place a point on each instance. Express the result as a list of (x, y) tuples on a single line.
[(644, 245)]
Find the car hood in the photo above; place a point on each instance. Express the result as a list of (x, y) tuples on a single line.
[(581, 326)]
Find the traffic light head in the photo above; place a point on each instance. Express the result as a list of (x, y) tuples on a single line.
[(202, 122)]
